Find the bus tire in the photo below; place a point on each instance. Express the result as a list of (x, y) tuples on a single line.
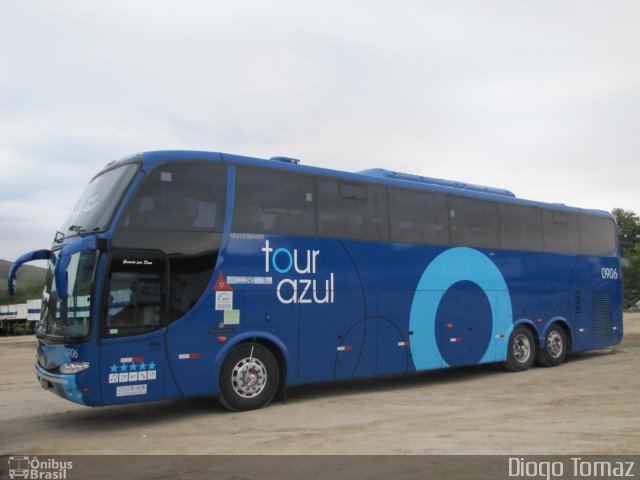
[(554, 351), (249, 378), (521, 351)]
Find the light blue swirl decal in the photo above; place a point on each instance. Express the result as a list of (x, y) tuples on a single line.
[(450, 267)]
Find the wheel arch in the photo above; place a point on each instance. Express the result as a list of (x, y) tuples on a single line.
[(530, 324)]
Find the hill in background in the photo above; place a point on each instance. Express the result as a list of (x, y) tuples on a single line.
[(29, 285)]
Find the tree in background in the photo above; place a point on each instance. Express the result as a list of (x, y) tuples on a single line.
[(629, 229)]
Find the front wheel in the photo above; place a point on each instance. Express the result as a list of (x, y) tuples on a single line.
[(521, 350), (249, 377), (555, 348)]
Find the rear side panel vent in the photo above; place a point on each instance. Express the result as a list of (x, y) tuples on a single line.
[(578, 303), (602, 317)]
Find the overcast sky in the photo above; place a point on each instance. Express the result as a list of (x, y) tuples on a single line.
[(541, 97)]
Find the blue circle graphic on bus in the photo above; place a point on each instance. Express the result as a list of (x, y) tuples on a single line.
[(451, 267), (463, 325)]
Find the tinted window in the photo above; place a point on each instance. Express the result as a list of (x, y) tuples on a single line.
[(473, 223), (418, 217), (179, 196), (597, 235), (274, 202), (136, 292), (352, 210), (192, 257), (520, 227), (560, 232), (179, 210)]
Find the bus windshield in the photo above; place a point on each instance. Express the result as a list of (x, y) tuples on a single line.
[(96, 206), (69, 318)]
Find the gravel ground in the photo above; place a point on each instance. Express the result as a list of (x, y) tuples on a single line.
[(589, 405)]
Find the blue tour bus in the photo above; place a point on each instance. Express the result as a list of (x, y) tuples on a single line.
[(185, 273)]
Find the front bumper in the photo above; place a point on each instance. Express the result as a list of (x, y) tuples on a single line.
[(63, 385)]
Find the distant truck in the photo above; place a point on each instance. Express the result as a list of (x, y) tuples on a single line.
[(11, 316)]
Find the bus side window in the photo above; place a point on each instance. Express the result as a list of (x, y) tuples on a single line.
[(352, 210), (520, 227), (474, 222), (597, 235), (418, 217), (274, 202), (560, 232), (182, 196)]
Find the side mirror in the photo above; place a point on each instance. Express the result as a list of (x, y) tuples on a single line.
[(64, 259), (26, 258)]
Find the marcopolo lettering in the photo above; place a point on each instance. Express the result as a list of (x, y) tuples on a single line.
[(298, 290)]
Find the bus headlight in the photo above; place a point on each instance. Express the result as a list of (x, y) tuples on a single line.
[(73, 367)]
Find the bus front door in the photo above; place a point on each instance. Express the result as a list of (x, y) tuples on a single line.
[(133, 342)]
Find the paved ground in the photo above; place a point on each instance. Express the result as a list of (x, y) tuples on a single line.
[(590, 405)]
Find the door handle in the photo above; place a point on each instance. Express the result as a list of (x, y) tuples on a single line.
[(157, 343)]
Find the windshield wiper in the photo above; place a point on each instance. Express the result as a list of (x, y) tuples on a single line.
[(78, 229), (81, 230)]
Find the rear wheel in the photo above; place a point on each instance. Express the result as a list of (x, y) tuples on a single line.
[(555, 347), (521, 350), (249, 377)]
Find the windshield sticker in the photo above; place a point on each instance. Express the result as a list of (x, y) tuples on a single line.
[(91, 203)]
